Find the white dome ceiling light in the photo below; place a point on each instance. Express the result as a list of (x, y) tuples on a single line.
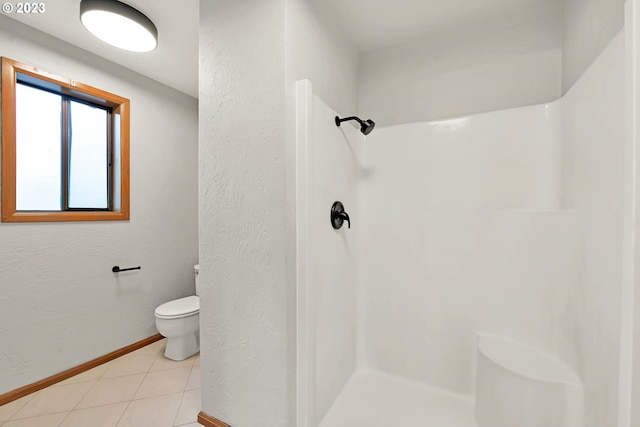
[(119, 24)]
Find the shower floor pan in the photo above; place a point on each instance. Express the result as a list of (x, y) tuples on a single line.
[(375, 399)]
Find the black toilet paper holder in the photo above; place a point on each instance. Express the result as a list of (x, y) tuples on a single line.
[(117, 269)]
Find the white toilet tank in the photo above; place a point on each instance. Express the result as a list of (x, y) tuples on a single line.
[(196, 272)]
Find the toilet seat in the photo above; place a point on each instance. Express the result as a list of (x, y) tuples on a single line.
[(177, 309)]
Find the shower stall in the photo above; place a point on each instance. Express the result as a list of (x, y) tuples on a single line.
[(481, 280), (459, 251)]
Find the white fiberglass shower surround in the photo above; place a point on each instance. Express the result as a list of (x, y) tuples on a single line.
[(432, 276), (482, 281)]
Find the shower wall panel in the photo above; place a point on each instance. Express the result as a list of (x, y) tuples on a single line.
[(328, 159), (462, 233), (333, 165), (593, 140), (507, 222)]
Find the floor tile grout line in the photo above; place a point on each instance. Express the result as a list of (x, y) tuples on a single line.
[(170, 369), (163, 394), (88, 391), (65, 417), (35, 416), (175, 418), (184, 392), (126, 375), (79, 400), (13, 417), (102, 377), (127, 402), (20, 408), (123, 412), (188, 379), (145, 398), (134, 394), (139, 385), (112, 404), (137, 389), (160, 395), (133, 399)]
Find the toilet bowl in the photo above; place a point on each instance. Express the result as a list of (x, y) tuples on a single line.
[(179, 322)]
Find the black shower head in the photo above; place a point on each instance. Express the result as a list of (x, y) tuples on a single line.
[(366, 126)]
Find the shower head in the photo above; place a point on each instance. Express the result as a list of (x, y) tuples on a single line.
[(366, 126)]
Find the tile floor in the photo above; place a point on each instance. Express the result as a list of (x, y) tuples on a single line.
[(140, 389)]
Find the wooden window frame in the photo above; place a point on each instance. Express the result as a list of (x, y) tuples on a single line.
[(117, 104)]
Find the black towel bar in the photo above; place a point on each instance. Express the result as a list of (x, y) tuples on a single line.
[(117, 269)]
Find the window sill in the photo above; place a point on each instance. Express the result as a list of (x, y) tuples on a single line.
[(65, 216)]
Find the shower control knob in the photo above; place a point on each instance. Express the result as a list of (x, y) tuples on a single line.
[(339, 216)]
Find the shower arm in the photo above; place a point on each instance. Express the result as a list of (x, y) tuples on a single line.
[(366, 126), (347, 119)]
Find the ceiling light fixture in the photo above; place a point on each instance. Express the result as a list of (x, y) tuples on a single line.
[(119, 25)]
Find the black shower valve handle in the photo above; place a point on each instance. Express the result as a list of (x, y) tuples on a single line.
[(345, 217), (339, 216)]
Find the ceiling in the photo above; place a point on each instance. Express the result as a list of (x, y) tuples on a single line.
[(378, 24), (174, 62), (370, 24)]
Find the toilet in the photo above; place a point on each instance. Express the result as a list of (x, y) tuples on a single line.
[(179, 322)]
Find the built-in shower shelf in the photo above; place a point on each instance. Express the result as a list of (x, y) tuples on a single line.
[(518, 384)]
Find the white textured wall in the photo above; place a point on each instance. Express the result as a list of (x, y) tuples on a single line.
[(318, 51), (247, 310), (508, 61), (588, 26), (461, 233), (251, 55), (60, 304), (594, 138)]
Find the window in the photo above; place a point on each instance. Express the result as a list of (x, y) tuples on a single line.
[(65, 149)]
